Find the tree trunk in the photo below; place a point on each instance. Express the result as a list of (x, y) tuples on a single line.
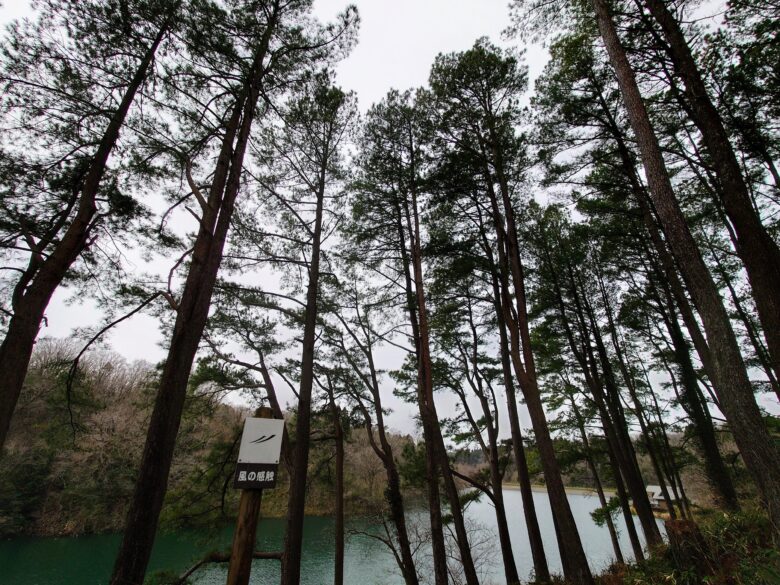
[(35, 288), (541, 570), (144, 511), (674, 293), (638, 407), (748, 320), (393, 493), (428, 408), (597, 480), (620, 488), (296, 498), (438, 547), (480, 388), (607, 397), (575, 563), (338, 432), (754, 244), (716, 470), (735, 391)]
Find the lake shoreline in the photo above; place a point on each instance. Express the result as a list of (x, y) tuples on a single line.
[(574, 490)]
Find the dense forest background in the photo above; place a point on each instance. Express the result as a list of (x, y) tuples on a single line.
[(596, 255)]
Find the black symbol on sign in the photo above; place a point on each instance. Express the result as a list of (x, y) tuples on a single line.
[(263, 439)]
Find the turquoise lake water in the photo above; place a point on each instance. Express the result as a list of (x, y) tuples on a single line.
[(87, 560)]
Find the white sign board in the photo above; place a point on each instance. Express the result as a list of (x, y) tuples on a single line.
[(261, 441), (258, 456)]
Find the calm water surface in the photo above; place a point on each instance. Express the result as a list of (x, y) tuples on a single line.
[(87, 560)]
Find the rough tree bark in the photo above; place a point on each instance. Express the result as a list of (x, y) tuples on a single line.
[(296, 499), (754, 245), (735, 391), (191, 315), (575, 563), (428, 406), (40, 280)]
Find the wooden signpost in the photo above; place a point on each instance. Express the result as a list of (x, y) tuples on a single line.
[(257, 468)]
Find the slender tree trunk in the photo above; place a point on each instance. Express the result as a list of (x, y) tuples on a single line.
[(716, 470), (735, 391), (296, 498), (541, 570), (393, 493), (338, 431), (620, 488), (489, 449), (586, 360), (394, 496), (575, 563), (438, 548), (613, 537), (626, 467), (383, 450), (504, 538), (639, 408), (754, 244), (425, 376), (144, 511), (692, 400), (597, 480), (39, 282), (607, 396)]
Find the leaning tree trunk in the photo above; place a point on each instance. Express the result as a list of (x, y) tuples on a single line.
[(428, 408), (755, 246), (35, 288), (716, 470), (606, 423), (607, 397), (338, 437), (384, 452), (393, 494), (541, 570), (573, 558), (672, 290), (144, 512), (438, 547), (632, 391), (735, 391), (296, 499), (597, 480), (490, 449)]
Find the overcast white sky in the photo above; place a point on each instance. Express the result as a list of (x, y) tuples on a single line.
[(399, 40)]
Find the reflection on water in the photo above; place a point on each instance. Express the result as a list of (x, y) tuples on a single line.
[(87, 560)]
